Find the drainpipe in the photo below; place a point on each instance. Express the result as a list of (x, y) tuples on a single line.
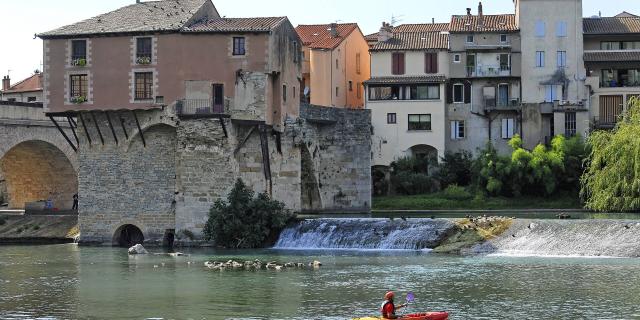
[(331, 86)]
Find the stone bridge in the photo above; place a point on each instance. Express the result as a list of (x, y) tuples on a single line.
[(36, 161)]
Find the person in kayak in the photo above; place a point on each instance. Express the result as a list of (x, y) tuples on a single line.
[(388, 308)]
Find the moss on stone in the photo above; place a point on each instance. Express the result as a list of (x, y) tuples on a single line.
[(472, 231)]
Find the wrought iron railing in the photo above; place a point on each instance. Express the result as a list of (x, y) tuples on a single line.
[(606, 121), (199, 107), (489, 71)]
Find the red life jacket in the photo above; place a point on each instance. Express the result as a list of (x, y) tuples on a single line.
[(386, 311)]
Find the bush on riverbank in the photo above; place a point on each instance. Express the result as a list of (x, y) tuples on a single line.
[(612, 179), (245, 220)]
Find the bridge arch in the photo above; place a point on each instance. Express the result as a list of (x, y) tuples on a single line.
[(37, 169)]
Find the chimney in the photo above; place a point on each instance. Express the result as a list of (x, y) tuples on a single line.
[(386, 32), (333, 28), (468, 11), (6, 83), (480, 16), (433, 20)]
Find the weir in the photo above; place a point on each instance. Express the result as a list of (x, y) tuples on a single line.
[(567, 238), (365, 234)]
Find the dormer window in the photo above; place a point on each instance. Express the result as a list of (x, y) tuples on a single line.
[(144, 49), (79, 53)]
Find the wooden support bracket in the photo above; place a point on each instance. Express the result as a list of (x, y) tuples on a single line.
[(63, 134)]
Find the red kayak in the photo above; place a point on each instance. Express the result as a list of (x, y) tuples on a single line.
[(416, 316)]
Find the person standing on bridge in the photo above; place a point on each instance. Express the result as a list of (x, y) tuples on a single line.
[(75, 202)]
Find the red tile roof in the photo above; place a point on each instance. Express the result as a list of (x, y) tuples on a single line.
[(612, 56), (413, 27), (492, 23), (414, 41), (223, 25), (611, 25), (33, 83), (319, 36)]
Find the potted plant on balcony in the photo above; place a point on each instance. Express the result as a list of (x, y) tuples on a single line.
[(79, 62), (143, 60), (79, 99)]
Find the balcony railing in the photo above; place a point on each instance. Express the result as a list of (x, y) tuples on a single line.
[(489, 71), (199, 108), (605, 122), (491, 103)]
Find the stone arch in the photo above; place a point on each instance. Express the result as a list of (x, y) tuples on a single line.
[(49, 135), (424, 150), (36, 170), (135, 135), (128, 235)]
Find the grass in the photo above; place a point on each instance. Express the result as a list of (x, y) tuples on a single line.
[(444, 201)]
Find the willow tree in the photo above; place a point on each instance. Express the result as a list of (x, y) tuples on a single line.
[(611, 181)]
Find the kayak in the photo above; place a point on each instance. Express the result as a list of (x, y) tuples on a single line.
[(415, 316)]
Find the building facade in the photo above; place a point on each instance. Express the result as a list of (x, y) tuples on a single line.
[(174, 103), (335, 64), (27, 90)]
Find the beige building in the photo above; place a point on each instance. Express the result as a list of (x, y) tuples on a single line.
[(612, 58), (406, 94), (335, 64), (27, 90)]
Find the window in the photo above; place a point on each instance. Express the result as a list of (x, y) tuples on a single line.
[(551, 93), (79, 85), (31, 99), (540, 28), (456, 58), (458, 93), (610, 45), (431, 62), (539, 59), (143, 85), (404, 92), (470, 38), (358, 70), (337, 64), (239, 46), (350, 85), (457, 130), (296, 52), (570, 128), (78, 51), (508, 128), (337, 91), (419, 122), (284, 92), (561, 29), (143, 50), (631, 45), (505, 61), (11, 99), (503, 38), (359, 90), (294, 92), (562, 59), (391, 118), (424, 92), (397, 63)]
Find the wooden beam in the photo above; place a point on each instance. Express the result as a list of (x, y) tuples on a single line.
[(63, 134), (84, 125), (73, 129), (242, 143), (144, 143), (93, 115), (113, 131), (224, 127), (124, 129), (266, 158)]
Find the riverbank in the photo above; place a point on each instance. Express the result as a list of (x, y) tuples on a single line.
[(39, 229), (443, 201)]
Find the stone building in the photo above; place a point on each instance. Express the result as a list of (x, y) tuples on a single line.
[(175, 102), (26, 90)]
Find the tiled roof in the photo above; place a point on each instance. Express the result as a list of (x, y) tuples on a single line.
[(223, 25), (319, 36), (414, 41), (612, 56), (492, 23), (611, 25), (150, 16), (625, 14), (407, 80), (33, 83), (415, 27)]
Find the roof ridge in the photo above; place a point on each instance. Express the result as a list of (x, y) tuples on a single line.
[(24, 80)]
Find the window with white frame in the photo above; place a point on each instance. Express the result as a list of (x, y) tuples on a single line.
[(470, 38), (456, 58), (539, 59), (457, 130), (562, 59), (508, 128), (503, 38), (392, 118), (551, 93), (458, 93)]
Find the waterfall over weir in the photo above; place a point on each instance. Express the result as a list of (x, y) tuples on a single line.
[(367, 234), (567, 238)]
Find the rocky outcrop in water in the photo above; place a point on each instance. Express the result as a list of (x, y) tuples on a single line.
[(259, 265), (472, 231), (138, 249)]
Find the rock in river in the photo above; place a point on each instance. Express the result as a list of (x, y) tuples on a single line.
[(138, 249)]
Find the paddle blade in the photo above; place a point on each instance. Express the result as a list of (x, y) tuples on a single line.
[(410, 297)]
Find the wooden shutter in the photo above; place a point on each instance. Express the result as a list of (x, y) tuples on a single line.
[(427, 62), (467, 92), (395, 63), (610, 108), (401, 63), (454, 130), (431, 62), (449, 92)]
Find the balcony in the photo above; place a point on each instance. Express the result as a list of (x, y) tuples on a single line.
[(606, 122), (497, 46), (200, 108), (489, 71), (493, 104)]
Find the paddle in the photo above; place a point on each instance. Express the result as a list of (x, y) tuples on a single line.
[(410, 298)]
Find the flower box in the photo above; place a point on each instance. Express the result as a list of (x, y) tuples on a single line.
[(79, 99), (79, 62), (143, 60)]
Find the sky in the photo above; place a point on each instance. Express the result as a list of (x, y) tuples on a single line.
[(21, 20)]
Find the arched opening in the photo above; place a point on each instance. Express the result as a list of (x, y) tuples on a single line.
[(127, 236), (424, 151), (36, 171)]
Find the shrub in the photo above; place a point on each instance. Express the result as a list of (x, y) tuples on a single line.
[(454, 192), (244, 220), (611, 181), (187, 234), (455, 169), (411, 183)]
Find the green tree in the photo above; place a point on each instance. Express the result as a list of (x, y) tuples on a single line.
[(611, 181), (244, 220), (455, 169)]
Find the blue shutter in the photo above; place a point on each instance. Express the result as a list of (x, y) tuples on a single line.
[(540, 26)]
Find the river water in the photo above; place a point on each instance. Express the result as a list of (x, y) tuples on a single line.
[(70, 282)]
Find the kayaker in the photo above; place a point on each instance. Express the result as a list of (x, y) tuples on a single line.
[(388, 309)]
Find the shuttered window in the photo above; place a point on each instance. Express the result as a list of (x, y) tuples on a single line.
[(540, 28), (397, 63), (570, 128), (508, 128), (431, 62), (457, 130)]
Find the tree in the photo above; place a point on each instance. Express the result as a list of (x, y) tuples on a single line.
[(611, 181), (244, 220)]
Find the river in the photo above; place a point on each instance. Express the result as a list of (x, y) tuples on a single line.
[(71, 282)]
